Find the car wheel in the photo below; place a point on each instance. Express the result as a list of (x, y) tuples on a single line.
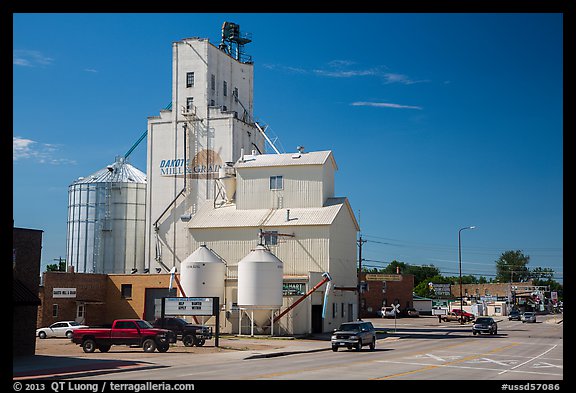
[(89, 345), (104, 348), (474, 332), (69, 334), (373, 344), (163, 347), (188, 340), (42, 335), (334, 348), (149, 345), (359, 345), (199, 342)]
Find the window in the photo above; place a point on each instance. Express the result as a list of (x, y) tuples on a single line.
[(235, 94), (189, 103), (225, 89), (276, 183), (80, 311), (334, 310), (55, 311), (213, 82), (125, 325), (212, 103), (271, 238), (189, 79), (126, 291)]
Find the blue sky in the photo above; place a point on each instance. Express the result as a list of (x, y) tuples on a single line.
[(436, 121)]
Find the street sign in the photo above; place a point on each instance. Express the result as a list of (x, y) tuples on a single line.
[(396, 308)]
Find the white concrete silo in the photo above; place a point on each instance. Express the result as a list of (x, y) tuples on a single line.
[(106, 220), (260, 279), (202, 274)]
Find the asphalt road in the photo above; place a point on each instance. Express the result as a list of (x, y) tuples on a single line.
[(411, 349)]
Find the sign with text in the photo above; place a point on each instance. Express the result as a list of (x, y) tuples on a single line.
[(383, 277), (64, 293), (293, 289), (200, 306), (441, 289)]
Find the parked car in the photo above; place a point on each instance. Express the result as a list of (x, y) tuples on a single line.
[(485, 325), (411, 312), (452, 316), (467, 315), (529, 316), (514, 315), (189, 333), (354, 335), (132, 332), (59, 329)]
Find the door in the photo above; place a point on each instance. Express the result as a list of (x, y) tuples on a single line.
[(153, 301), (80, 313), (58, 329), (317, 319)]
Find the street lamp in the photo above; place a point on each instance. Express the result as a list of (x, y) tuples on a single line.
[(460, 269)]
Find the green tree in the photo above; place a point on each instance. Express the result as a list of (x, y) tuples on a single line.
[(511, 266)]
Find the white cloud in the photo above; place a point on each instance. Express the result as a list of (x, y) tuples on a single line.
[(345, 73), (400, 78), (91, 70), (43, 153), (30, 58), (348, 69), (385, 105)]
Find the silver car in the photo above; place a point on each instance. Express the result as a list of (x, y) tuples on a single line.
[(528, 316), (59, 329), (354, 335)]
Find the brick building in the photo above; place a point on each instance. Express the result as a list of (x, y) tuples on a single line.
[(96, 299), (385, 290), (26, 256)]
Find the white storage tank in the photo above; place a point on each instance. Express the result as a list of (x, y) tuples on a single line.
[(106, 220), (260, 278), (202, 274)]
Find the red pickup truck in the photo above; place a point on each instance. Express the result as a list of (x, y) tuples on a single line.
[(133, 332)]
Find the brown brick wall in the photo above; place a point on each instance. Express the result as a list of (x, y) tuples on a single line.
[(119, 307), (27, 246), (90, 290), (396, 292), (492, 289), (100, 293)]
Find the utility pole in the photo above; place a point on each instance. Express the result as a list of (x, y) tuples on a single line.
[(360, 243), (60, 260)]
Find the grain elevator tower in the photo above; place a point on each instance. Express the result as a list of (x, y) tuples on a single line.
[(209, 123)]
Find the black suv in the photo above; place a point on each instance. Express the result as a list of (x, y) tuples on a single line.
[(354, 334), (514, 315), (189, 333), (485, 325)]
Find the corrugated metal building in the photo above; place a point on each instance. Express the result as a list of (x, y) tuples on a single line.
[(204, 188)]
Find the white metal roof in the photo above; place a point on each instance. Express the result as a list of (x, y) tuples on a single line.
[(229, 216), (118, 172), (264, 160)]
